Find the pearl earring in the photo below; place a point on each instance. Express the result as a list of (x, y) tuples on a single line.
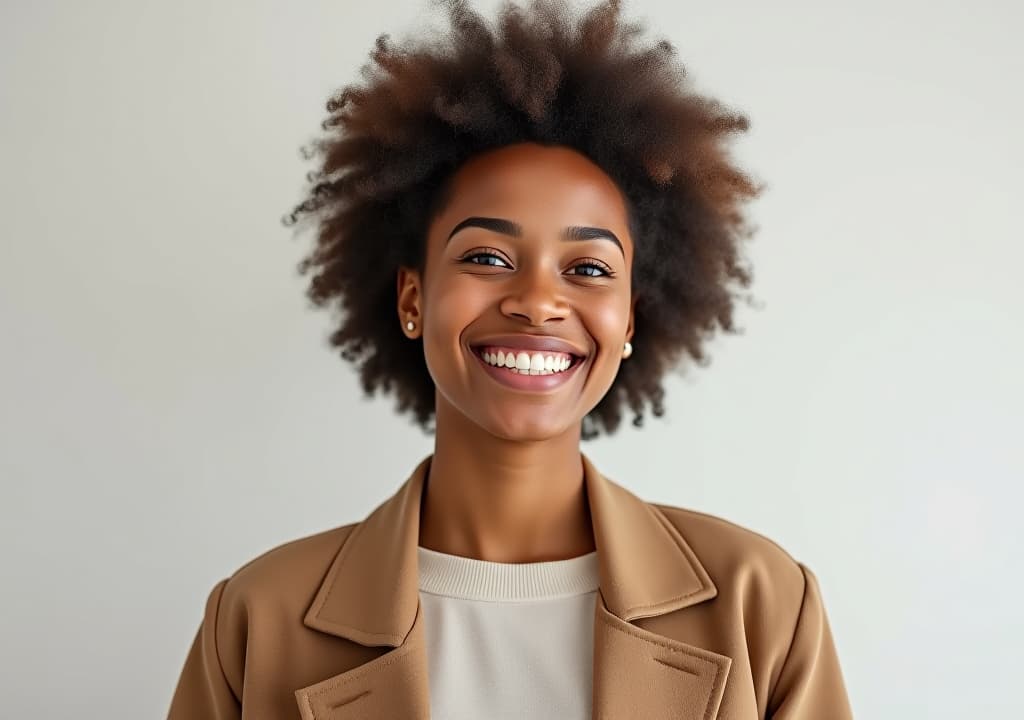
[(410, 325), (627, 350)]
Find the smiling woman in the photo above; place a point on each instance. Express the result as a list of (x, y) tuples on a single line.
[(541, 215), (397, 154), (551, 214)]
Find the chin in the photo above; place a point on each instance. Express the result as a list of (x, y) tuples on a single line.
[(525, 429)]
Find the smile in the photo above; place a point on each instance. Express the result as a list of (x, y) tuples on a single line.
[(528, 370)]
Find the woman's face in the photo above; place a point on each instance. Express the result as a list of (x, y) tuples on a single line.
[(532, 247)]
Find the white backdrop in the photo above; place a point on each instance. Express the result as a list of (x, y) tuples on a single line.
[(169, 407)]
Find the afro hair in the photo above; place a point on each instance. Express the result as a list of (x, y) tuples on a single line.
[(547, 75)]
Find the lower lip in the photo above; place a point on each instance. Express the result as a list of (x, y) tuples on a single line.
[(519, 381)]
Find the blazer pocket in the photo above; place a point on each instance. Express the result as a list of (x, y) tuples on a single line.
[(640, 674)]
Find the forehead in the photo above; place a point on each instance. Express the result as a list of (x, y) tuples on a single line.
[(537, 184)]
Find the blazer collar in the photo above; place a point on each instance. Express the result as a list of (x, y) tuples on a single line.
[(646, 567)]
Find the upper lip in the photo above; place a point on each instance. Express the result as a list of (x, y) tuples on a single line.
[(531, 342)]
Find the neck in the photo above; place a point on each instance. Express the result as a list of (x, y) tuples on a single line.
[(505, 501)]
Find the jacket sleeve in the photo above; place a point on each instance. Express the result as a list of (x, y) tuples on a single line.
[(203, 691), (810, 685)]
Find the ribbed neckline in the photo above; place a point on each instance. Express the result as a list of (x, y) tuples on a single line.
[(472, 579)]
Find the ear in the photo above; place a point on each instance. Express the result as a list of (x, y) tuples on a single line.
[(409, 299)]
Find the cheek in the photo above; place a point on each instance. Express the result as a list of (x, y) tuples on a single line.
[(450, 308), (607, 322)]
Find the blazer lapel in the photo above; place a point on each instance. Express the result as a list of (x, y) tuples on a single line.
[(393, 685), (646, 569), (370, 596)]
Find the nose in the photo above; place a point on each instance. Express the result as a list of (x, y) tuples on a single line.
[(535, 294)]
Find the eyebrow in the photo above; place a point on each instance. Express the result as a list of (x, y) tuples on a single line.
[(507, 227)]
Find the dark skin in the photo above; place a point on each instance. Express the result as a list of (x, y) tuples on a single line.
[(506, 479)]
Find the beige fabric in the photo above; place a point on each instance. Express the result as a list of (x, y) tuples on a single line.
[(696, 619)]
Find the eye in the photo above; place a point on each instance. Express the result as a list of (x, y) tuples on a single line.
[(605, 271), (482, 254)]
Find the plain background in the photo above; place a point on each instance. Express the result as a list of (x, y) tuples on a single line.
[(169, 407)]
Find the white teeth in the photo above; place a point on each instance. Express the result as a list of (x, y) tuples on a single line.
[(527, 364)]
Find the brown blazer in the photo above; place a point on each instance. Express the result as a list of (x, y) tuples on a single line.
[(696, 619)]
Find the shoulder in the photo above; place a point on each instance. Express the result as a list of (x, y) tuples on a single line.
[(769, 603), (284, 577), (264, 595), (739, 560)]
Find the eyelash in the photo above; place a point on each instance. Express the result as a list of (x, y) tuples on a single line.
[(591, 263)]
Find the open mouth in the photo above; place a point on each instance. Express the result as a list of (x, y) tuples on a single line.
[(528, 362)]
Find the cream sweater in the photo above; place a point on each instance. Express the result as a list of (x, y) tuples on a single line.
[(507, 640)]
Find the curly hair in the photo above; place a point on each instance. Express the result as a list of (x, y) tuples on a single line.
[(549, 76)]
